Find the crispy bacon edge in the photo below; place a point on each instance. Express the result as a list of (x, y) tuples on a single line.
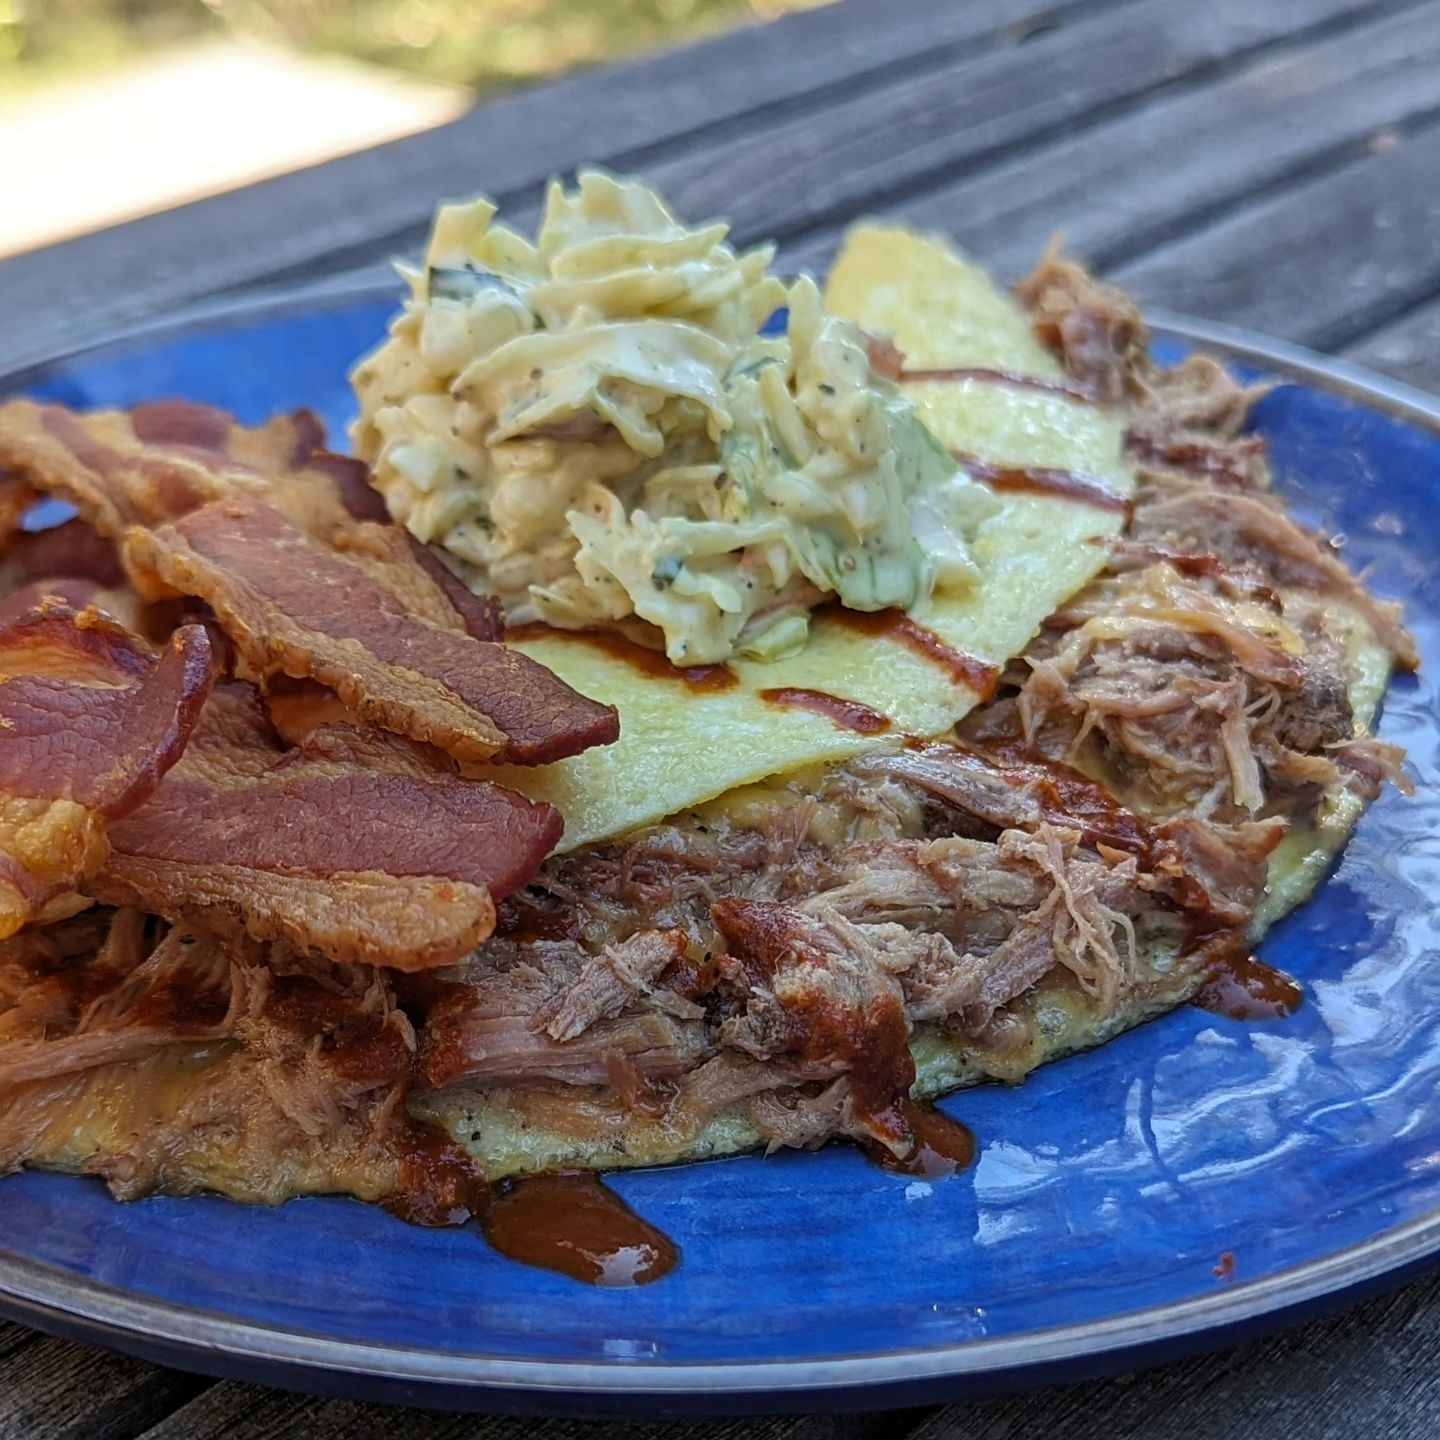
[(177, 483), (84, 746), (353, 844)]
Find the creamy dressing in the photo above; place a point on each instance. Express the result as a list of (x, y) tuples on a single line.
[(602, 428)]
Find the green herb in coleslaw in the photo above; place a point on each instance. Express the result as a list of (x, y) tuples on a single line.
[(594, 427)]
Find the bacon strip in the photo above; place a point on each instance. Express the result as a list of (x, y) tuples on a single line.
[(90, 724), (355, 845), (295, 608), (38, 594), (286, 548), (71, 550), (484, 616), (76, 564)]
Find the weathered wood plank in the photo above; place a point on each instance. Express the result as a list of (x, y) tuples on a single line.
[(86, 287), (57, 1390), (1408, 349), (825, 166), (1127, 184), (1370, 1374), (1321, 263), (339, 213), (247, 1412), (817, 169), (14, 1337)]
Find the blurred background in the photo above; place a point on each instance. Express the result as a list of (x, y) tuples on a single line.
[(114, 108)]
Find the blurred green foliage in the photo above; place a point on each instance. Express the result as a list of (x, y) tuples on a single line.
[(484, 44)]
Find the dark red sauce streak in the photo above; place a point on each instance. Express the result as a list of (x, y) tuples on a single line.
[(1071, 799), (639, 657), (1066, 484), (571, 1223), (1224, 462), (1240, 987), (979, 675), (441, 1184), (565, 1222), (942, 1146), (846, 714), (1012, 379)]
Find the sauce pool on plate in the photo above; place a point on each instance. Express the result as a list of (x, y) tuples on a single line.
[(570, 1222)]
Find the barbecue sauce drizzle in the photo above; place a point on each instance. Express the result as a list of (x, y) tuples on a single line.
[(979, 675), (968, 670), (941, 1147), (1038, 480), (1010, 379), (653, 663), (1240, 987), (567, 1222), (886, 360), (571, 1223), (844, 714), (441, 1185)]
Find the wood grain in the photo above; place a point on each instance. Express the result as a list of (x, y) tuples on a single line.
[(816, 171), (13, 1338), (334, 216), (1371, 1373), (1407, 348), (896, 137), (246, 1412), (1321, 263), (57, 1390), (1130, 183)]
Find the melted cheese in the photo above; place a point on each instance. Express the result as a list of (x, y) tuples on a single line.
[(679, 747)]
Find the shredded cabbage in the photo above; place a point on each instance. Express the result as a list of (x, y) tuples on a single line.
[(594, 427)]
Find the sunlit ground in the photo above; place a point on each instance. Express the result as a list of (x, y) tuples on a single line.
[(111, 109), (86, 152)]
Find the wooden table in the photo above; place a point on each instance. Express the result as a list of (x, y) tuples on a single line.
[(1268, 162)]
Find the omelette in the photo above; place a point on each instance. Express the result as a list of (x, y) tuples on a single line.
[(706, 713)]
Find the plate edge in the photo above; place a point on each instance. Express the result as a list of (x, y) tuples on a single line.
[(35, 1293)]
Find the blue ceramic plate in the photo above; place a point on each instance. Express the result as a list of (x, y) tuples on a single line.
[(1087, 1236)]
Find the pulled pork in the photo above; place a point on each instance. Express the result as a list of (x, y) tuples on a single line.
[(1063, 866), (1207, 672), (165, 1060), (1204, 679), (786, 950)]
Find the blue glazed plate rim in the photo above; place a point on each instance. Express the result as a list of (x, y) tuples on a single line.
[(73, 1305)]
